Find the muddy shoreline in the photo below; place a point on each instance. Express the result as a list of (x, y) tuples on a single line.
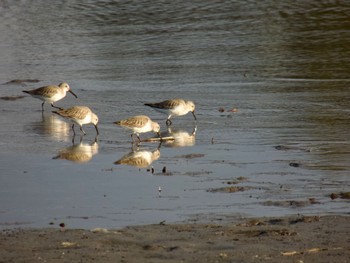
[(283, 239)]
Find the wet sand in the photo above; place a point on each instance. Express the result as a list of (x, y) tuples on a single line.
[(285, 239)]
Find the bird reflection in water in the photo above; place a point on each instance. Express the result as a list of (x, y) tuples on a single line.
[(52, 126), (181, 138), (139, 158), (80, 152)]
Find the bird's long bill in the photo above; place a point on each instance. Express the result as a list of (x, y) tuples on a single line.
[(97, 130), (73, 93), (194, 116)]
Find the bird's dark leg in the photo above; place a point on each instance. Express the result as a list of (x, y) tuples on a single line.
[(194, 116), (97, 132), (160, 144), (42, 106), (134, 146), (73, 129), (134, 141), (81, 128), (55, 106)]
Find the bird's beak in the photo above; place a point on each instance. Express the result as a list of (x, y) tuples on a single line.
[(194, 116), (73, 93), (97, 130)]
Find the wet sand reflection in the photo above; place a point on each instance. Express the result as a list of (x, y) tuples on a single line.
[(78, 153), (139, 158), (52, 126), (181, 137)]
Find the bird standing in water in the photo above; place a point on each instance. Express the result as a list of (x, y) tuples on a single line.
[(79, 115), (51, 93), (174, 107), (139, 124)]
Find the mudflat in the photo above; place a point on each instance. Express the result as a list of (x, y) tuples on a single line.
[(284, 239)]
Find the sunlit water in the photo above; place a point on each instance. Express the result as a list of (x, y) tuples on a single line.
[(283, 66)]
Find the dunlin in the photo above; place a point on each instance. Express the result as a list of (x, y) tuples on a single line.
[(174, 107), (140, 159), (139, 124), (50, 93), (79, 115)]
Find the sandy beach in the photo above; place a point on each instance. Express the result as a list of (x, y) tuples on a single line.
[(286, 239)]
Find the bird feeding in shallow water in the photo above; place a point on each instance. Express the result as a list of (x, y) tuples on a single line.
[(174, 107), (51, 93), (139, 124), (80, 115)]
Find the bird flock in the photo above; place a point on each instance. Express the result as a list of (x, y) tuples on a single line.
[(83, 115)]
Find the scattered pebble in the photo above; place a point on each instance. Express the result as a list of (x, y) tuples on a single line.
[(294, 164), (237, 181), (313, 201), (305, 219), (334, 196), (99, 230), (291, 203), (62, 226), (191, 156), (342, 195), (19, 81), (229, 189), (68, 244), (223, 255), (229, 110), (345, 195), (12, 98), (282, 148)]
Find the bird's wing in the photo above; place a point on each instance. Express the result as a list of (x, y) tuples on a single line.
[(47, 91), (78, 112), (167, 104), (137, 121)]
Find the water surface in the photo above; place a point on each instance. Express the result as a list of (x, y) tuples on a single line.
[(283, 67)]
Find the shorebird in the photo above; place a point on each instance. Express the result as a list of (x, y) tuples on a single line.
[(50, 93), (139, 124), (79, 115), (174, 107)]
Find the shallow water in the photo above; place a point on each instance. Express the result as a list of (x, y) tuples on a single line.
[(283, 66)]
